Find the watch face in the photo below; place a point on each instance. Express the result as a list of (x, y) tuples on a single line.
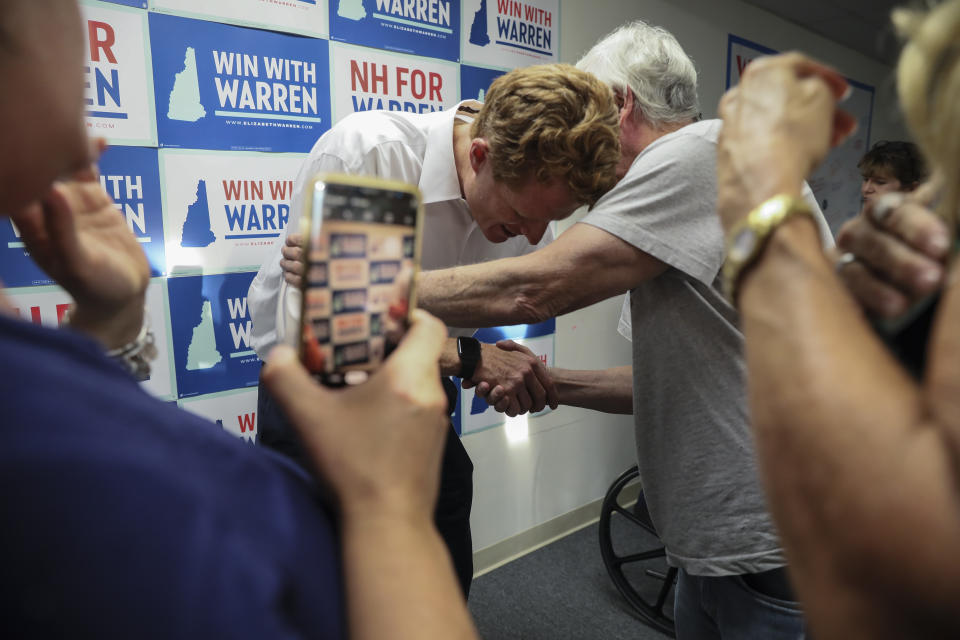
[(743, 244)]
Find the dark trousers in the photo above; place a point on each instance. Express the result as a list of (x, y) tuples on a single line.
[(452, 515)]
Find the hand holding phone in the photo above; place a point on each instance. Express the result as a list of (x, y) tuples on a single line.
[(362, 248)]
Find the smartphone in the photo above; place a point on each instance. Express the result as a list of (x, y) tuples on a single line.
[(362, 252)]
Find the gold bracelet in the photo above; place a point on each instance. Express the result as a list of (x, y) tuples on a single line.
[(748, 238)]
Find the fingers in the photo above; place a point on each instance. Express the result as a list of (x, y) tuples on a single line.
[(293, 279), (544, 390), (875, 295), (293, 256), (807, 67), (522, 403), (893, 261), (899, 243), (292, 272), (498, 399), (916, 225), (844, 126), (59, 206), (294, 241), (292, 261)]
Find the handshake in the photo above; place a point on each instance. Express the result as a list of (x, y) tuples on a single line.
[(509, 376)]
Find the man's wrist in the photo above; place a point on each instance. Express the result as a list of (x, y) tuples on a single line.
[(113, 331), (469, 355)]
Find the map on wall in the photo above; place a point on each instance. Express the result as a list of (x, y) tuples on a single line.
[(836, 182)]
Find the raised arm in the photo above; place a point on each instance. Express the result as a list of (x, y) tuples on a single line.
[(77, 236), (859, 460), (582, 266), (379, 445)]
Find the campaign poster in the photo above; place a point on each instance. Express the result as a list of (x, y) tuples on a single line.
[(49, 306), (224, 211), (118, 77), (233, 88), (511, 33), (836, 182), (210, 325), (130, 175), (306, 17), (366, 79), (235, 411), (475, 81), (428, 28), (473, 414)]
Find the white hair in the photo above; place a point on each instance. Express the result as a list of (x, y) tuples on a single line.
[(649, 62)]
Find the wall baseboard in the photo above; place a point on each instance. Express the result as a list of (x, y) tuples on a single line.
[(499, 554)]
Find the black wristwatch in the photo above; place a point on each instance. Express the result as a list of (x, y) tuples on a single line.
[(469, 351)]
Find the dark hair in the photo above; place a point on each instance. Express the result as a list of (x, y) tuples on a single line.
[(900, 158)]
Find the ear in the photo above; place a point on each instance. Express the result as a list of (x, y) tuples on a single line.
[(479, 150), (626, 109)]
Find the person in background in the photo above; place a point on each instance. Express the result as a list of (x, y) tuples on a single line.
[(493, 177), (889, 167), (859, 458), (127, 517), (656, 235)]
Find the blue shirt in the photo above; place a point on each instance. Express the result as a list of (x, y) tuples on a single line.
[(124, 516)]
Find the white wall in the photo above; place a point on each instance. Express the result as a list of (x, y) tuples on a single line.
[(572, 455)]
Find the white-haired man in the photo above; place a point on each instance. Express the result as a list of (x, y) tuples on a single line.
[(656, 235)]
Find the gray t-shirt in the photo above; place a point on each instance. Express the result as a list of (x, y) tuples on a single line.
[(694, 444)]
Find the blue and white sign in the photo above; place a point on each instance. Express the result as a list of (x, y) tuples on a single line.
[(474, 414), (119, 87), (17, 268), (224, 211), (474, 81), (139, 4), (422, 27), (366, 79), (210, 324), (131, 176), (511, 33), (224, 87)]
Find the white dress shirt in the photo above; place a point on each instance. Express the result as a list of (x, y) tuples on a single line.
[(414, 148)]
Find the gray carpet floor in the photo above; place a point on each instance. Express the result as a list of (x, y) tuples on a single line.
[(563, 592)]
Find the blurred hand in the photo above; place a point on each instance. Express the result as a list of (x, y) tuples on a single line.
[(778, 124), (378, 444), (900, 249), (513, 380), (77, 235), (292, 260)]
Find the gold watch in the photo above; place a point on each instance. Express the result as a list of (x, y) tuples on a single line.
[(747, 239)]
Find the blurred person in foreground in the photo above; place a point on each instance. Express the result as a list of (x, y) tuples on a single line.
[(126, 517), (858, 457)]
